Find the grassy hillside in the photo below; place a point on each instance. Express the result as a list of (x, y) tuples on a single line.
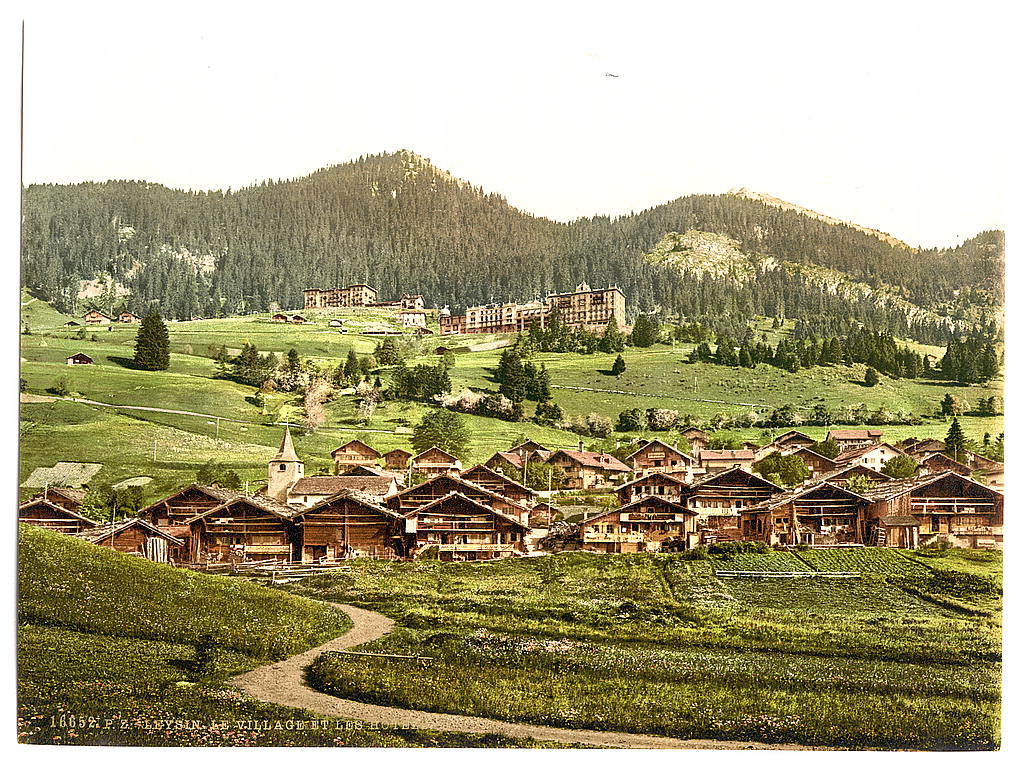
[(657, 644), (113, 650)]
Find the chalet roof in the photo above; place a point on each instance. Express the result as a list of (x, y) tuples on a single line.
[(858, 469), (435, 449), (78, 355), (353, 495), (215, 492), (287, 451), (817, 455), (402, 451), (792, 495), (925, 446), (358, 444), (898, 521), (855, 453), (512, 458), (695, 431), (105, 531), (726, 455), (458, 481), (265, 503), (664, 445), (96, 312), (792, 434), (890, 489), (664, 477), (712, 476), (74, 495), (366, 470), (679, 509), (977, 461), (505, 479), (475, 503), (321, 485), (63, 510), (853, 434), (594, 460), (944, 460)]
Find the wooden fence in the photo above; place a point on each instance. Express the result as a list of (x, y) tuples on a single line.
[(788, 574)]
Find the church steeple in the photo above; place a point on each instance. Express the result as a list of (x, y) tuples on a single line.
[(284, 470)]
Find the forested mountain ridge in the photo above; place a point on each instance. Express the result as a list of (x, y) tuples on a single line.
[(402, 225)]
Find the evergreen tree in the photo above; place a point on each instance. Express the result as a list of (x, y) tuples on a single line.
[(613, 339), (645, 331), (956, 443), (619, 366), (152, 344), (871, 377), (351, 370)]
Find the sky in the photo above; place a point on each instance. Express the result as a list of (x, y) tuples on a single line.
[(890, 115)]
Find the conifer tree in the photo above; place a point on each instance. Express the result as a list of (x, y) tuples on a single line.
[(956, 443), (619, 366), (152, 344)]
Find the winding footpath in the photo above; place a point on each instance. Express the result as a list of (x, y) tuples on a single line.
[(283, 683)]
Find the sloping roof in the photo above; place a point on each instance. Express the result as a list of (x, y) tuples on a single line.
[(693, 430), (664, 445), (354, 495), (529, 445), (512, 458), (855, 453), (793, 433), (729, 470), (213, 491), (858, 469), (740, 455), (265, 503), (321, 485), (105, 531), (653, 475), (287, 451), (854, 434), (505, 479), (679, 508), (942, 459), (593, 460), (817, 455), (898, 521), (367, 470), (369, 448), (477, 504), (784, 498), (79, 355), (459, 481), (435, 449), (894, 488), (64, 510), (402, 451)]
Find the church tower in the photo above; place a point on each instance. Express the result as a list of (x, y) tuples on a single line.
[(284, 470)]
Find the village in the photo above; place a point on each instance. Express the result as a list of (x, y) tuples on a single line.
[(399, 506)]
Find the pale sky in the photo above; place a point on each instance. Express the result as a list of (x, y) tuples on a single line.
[(888, 114)]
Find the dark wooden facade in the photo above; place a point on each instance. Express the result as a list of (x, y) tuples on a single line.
[(349, 525), (658, 456), (244, 529), (666, 486), (464, 529), (47, 514), (816, 464), (501, 484), (184, 505), (138, 537), (820, 514), (429, 491), (650, 524), (719, 498), (354, 453), (434, 462)]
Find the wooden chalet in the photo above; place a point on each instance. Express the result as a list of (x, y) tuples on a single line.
[(72, 324), (789, 442), (278, 317), (543, 514), (297, 319), (531, 450), (915, 447), (650, 524), (49, 514), (246, 528), (657, 456), (847, 439), (397, 459), (354, 453), (172, 513), (95, 317), (586, 469), (845, 474), (947, 507), (487, 478), (349, 524), (697, 439), (659, 484), (310, 491), (818, 514), (128, 317), (713, 461), (937, 463), (816, 464), (463, 528), (136, 536), (720, 498), (873, 455), (505, 461), (79, 358), (69, 498), (434, 462), (411, 499)]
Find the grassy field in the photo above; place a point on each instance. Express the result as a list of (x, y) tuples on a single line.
[(114, 650), (657, 644), (168, 447)]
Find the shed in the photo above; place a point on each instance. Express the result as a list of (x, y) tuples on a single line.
[(79, 358)]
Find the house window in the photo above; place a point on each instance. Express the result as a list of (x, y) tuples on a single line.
[(282, 467)]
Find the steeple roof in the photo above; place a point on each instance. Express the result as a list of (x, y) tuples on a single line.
[(287, 451)]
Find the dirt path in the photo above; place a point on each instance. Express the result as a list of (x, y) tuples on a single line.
[(282, 683)]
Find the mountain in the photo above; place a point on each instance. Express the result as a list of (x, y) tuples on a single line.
[(399, 223)]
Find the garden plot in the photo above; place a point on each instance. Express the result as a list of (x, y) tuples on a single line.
[(70, 474)]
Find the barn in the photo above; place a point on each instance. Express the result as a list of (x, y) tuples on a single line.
[(245, 528), (349, 524), (650, 524), (136, 536), (48, 514), (816, 515), (79, 358)]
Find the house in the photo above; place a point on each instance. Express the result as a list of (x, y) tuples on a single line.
[(713, 461), (397, 459), (433, 462), (520, 455), (487, 478), (409, 318), (244, 529), (542, 515), (848, 439), (874, 455), (79, 358), (297, 319), (650, 524), (931, 362), (719, 498), (660, 484), (922, 447), (845, 474), (818, 514), (349, 524), (173, 512), (429, 491), (136, 536), (354, 453), (697, 439), (69, 498), (657, 456), (424, 332), (586, 469), (412, 301), (128, 317), (72, 324), (464, 528), (816, 464), (278, 318), (95, 317), (789, 442), (937, 463), (49, 514), (947, 507), (310, 491)]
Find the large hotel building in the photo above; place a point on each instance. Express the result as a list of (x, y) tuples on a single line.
[(583, 308)]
